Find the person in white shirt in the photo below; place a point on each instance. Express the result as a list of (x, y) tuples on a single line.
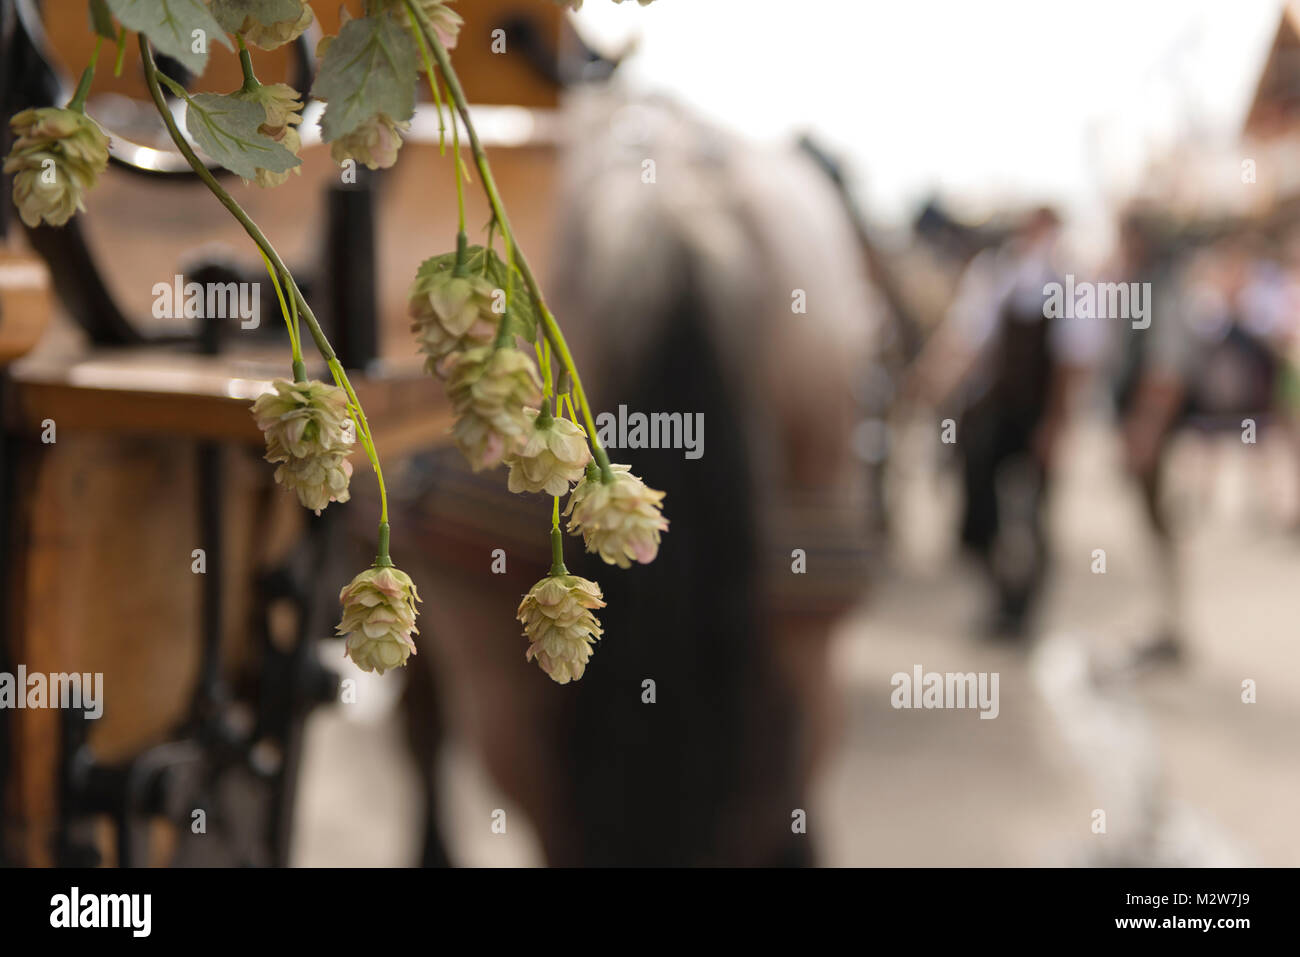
[(1008, 370)]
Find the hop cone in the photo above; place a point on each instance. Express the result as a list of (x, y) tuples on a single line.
[(268, 36), (374, 143), (318, 479), (620, 520), (57, 155), (488, 389), (553, 456), (379, 618), (306, 425), (446, 21), (303, 418), (451, 314), (557, 619)]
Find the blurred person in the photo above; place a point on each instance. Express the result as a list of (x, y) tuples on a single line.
[(1149, 391), (1007, 371), (1223, 315), (694, 734), (1287, 341)]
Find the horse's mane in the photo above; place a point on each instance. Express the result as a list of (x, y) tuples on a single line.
[(680, 293)]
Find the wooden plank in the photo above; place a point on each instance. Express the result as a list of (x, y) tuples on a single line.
[(145, 392)]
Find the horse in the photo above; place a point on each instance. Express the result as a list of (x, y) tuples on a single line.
[(698, 274)]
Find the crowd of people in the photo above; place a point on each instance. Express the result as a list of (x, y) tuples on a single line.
[(1187, 326)]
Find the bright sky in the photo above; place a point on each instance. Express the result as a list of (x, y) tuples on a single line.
[(980, 99)]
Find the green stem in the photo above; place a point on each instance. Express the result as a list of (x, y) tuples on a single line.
[(121, 51), (246, 64), (176, 88), (491, 238), (284, 311), (364, 434), (152, 77), (293, 313), (317, 333), (505, 335), (557, 543), (553, 332), (461, 269), (543, 350), (544, 415), (460, 168), (78, 101), (382, 560), (411, 12)]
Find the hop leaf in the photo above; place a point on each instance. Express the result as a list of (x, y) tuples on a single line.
[(368, 70), (170, 26), (232, 14), (279, 101), (227, 129), (280, 106), (101, 20), (523, 318)]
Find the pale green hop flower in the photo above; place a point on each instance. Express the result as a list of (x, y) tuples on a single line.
[(446, 21), (553, 456), (57, 155), (301, 419), (318, 479), (282, 105), (620, 520), (266, 178), (374, 143), (268, 36), (489, 389), (559, 625), (451, 314), (308, 431), (379, 618)]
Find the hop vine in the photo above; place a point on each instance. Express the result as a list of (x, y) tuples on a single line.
[(477, 315)]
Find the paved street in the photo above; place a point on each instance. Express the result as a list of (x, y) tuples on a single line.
[(1185, 772)]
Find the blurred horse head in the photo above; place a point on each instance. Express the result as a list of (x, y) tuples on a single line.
[(706, 276)]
